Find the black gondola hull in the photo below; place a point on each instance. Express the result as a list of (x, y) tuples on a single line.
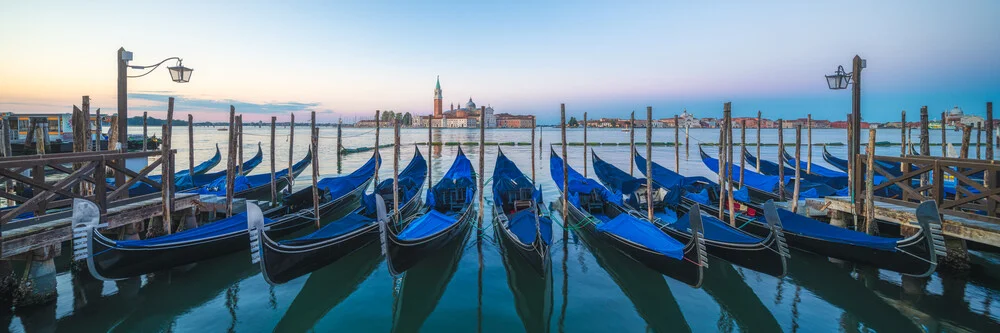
[(403, 254), (535, 254), (764, 257)]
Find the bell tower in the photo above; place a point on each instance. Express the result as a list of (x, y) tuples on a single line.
[(437, 99)]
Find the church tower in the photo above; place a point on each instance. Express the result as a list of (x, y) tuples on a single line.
[(437, 99)]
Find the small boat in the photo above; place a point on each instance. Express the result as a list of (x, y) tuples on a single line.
[(281, 261), (518, 216), (601, 214), (448, 216), (833, 181), (109, 259), (764, 254), (256, 187), (891, 167), (222, 129)]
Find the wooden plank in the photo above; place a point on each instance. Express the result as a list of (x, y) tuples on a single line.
[(982, 230)]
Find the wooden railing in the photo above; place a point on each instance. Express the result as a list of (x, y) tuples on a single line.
[(922, 178), (85, 179)]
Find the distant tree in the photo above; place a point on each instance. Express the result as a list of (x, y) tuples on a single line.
[(572, 122), (407, 119)]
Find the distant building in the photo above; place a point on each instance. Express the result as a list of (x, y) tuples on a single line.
[(505, 120), (455, 118), (955, 117)]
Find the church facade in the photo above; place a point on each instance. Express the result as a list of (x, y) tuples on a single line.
[(461, 117)]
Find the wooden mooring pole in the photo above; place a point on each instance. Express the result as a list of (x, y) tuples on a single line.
[(631, 144), (743, 148), (239, 145), (989, 131), (798, 167), (925, 144), (966, 136), (482, 160), (291, 147), (722, 169), (584, 144), (533, 126), (231, 164), (728, 113), (871, 226), (395, 170), (944, 136), (649, 162), (902, 136), (314, 145), (809, 154), (430, 152), (758, 139), (677, 143), (274, 180), (979, 140), (100, 131), (145, 133), (167, 160), (190, 146), (565, 167), (781, 159), (378, 116)]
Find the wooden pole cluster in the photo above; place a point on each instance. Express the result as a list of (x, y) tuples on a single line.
[(565, 167), (758, 139), (585, 144), (482, 160), (314, 145), (809, 153), (231, 164), (798, 167), (677, 143), (781, 159), (274, 180), (145, 131), (291, 148), (649, 162), (631, 144), (743, 148), (944, 136), (167, 169)]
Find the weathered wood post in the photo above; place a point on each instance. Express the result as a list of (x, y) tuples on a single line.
[(190, 146), (758, 139), (631, 144), (902, 136), (291, 148), (274, 180), (722, 169), (852, 165), (649, 162), (979, 140), (809, 156), (989, 131), (395, 170), (239, 146), (677, 143), (314, 143), (565, 167), (100, 131), (781, 159), (944, 136), (743, 148), (430, 152), (798, 167), (145, 134), (925, 144), (687, 139), (966, 136), (167, 160), (340, 135), (585, 144), (231, 164), (482, 161), (728, 114), (871, 226)]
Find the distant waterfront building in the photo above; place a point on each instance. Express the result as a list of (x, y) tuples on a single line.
[(505, 120), (468, 116), (955, 117)]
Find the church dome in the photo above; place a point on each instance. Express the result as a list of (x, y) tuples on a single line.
[(955, 112), (470, 105)]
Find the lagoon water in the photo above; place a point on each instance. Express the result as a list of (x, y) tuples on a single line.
[(471, 288)]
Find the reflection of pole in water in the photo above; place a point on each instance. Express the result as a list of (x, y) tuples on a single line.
[(565, 294), (479, 249), (232, 299), (795, 308), (272, 300), (779, 291)]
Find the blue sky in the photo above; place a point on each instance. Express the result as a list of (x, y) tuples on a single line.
[(606, 58)]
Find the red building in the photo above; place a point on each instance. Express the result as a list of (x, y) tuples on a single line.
[(505, 120)]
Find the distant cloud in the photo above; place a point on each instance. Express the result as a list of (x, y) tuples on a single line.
[(182, 103)]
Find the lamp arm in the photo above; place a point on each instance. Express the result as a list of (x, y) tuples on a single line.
[(154, 67)]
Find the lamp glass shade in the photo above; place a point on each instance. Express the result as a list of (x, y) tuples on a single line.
[(831, 81), (180, 74)]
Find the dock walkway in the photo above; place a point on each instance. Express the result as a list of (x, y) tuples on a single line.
[(982, 229)]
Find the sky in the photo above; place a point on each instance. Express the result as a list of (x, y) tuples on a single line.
[(607, 58)]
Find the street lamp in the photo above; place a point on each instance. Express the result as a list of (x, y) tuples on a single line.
[(840, 80), (178, 73)]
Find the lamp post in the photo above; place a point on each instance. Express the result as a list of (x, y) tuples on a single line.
[(178, 73), (840, 80)]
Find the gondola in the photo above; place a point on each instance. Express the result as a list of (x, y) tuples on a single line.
[(109, 259), (447, 218), (770, 183), (281, 261), (518, 216), (833, 181), (765, 254), (602, 215), (893, 168), (532, 292), (183, 181), (256, 187)]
